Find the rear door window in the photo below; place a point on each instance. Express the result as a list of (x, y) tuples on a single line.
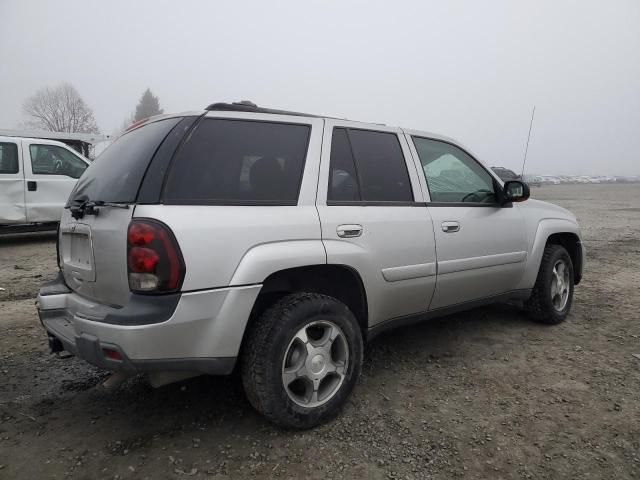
[(239, 162), (343, 179), (116, 174), (367, 166), (9, 158)]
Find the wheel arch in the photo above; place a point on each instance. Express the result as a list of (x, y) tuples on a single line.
[(556, 231), (572, 244), (342, 282)]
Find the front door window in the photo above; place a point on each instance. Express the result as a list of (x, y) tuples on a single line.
[(452, 175), (55, 160)]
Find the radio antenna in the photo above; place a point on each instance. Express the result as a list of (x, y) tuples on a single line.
[(528, 138)]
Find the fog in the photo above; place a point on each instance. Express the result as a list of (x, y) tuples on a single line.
[(470, 70)]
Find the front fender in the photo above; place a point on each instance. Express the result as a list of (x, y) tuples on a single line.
[(545, 228), (267, 258)]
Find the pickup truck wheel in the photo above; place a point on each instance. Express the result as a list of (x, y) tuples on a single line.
[(550, 301), (301, 360)]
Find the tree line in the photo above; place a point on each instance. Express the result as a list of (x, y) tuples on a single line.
[(62, 109)]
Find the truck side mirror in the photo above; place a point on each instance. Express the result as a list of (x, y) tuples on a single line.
[(515, 191)]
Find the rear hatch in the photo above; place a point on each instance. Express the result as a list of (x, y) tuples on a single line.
[(93, 228)]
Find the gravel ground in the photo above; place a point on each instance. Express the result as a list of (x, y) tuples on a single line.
[(482, 394)]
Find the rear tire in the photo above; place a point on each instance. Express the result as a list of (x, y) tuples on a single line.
[(297, 383), (552, 295)]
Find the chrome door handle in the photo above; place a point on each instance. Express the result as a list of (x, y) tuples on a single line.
[(450, 227), (349, 231)]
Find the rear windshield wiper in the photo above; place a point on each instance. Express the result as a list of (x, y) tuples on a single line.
[(91, 207)]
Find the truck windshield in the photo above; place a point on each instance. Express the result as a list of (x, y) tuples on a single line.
[(116, 174)]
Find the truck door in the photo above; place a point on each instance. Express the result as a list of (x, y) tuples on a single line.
[(374, 219), (50, 174), (481, 245), (12, 208)]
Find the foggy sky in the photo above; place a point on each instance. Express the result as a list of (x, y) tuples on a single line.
[(470, 70)]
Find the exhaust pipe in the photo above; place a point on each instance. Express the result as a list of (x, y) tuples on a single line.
[(159, 379), (116, 379)]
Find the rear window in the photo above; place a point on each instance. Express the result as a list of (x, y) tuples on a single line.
[(116, 174), (239, 162)]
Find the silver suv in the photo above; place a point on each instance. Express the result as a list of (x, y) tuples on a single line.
[(277, 242)]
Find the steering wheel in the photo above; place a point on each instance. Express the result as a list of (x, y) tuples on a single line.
[(57, 166), (475, 196)]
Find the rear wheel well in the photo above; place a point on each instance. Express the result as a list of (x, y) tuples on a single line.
[(338, 281), (571, 243)]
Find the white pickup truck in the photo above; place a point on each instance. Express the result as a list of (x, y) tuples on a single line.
[(36, 177)]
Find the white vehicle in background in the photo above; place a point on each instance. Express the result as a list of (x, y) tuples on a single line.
[(549, 179), (533, 180), (36, 178)]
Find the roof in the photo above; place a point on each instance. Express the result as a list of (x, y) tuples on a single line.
[(250, 107), (90, 138), (43, 140), (247, 106)]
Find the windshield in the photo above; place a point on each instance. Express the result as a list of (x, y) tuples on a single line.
[(116, 174)]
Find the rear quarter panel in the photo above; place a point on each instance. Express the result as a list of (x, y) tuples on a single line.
[(239, 245)]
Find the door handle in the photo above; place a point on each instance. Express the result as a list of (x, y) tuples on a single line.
[(450, 227), (349, 231), (32, 186)]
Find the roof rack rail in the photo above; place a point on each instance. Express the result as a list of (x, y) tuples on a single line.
[(248, 106)]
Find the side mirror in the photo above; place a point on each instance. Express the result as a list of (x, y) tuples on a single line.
[(515, 191)]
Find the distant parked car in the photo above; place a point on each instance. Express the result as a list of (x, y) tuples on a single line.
[(505, 174), (550, 179), (36, 178), (533, 180)]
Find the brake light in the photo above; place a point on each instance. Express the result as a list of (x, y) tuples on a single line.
[(112, 354), (143, 260), (154, 260), (141, 234), (136, 124)]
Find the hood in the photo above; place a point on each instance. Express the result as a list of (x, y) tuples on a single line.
[(548, 210)]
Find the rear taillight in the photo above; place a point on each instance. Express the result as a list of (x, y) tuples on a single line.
[(154, 260)]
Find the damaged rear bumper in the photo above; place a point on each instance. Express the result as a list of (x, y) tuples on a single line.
[(200, 332)]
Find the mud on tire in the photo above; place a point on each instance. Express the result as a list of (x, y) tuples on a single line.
[(540, 306), (268, 348)]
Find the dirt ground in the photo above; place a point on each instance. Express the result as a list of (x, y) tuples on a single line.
[(483, 394)]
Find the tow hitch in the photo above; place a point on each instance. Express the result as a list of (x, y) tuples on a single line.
[(56, 346)]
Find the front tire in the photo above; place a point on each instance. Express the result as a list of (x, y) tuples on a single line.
[(552, 295), (301, 360)]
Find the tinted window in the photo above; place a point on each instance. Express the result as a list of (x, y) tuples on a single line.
[(452, 175), (380, 165), (239, 162), (55, 160), (8, 158), (505, 174), (116, 174), (343, 180)]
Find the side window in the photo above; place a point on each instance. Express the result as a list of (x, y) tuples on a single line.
[(239, 162), (55, 160), (343, 180), (368, 166), (9, 158), (452, 175)]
